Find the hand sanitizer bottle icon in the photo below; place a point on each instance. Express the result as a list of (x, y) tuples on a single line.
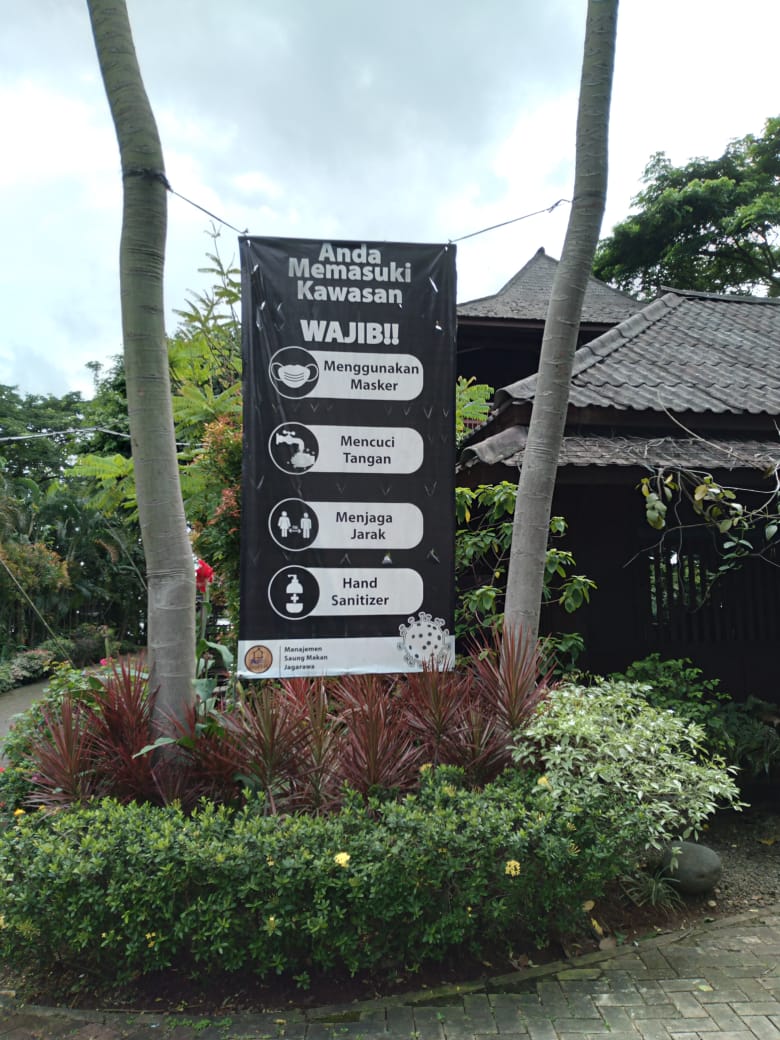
[(293, 590)]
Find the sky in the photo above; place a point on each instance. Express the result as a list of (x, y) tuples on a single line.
[(397, 120)]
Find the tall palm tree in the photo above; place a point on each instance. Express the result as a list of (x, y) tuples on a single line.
[(169, 563)]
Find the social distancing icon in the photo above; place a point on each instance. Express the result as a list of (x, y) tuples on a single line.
[(293, 524)]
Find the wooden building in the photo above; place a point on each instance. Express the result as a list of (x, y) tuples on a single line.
[(500, 336), (692, 382)]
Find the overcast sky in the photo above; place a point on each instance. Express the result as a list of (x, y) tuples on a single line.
[(406, 120)]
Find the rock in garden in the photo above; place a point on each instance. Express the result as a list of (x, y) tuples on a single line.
[(697, 868)]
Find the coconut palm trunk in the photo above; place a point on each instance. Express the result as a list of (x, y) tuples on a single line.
[(545, 434), (169, 561)]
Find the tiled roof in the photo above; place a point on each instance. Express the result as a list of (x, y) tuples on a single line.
[(526, 295), (691, 352), (652, 453)]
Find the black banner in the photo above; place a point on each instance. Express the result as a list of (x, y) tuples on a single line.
[(349, 451)]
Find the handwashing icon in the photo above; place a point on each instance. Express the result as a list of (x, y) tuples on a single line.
[(301, 459)]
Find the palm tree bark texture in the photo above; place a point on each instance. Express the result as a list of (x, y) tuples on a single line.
[(545, 434), (169, 560)]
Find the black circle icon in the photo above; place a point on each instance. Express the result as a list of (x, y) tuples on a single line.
[(293, 592), (293, 448), (294, 372)]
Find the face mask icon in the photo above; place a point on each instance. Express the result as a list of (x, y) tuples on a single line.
[(294, 376)]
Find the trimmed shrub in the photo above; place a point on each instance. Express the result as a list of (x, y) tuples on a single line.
[(115, 891)]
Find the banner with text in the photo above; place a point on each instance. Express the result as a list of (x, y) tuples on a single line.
[(348, 517)]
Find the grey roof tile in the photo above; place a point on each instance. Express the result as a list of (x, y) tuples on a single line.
[(526, 295), (683, 352), (653, 453)]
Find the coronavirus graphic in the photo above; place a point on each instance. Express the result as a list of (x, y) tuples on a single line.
[(424, 640)]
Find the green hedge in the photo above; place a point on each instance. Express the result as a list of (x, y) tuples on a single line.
[(30, 666), (116, 891)]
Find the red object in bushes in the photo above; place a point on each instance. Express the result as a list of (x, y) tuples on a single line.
[(203, 575)]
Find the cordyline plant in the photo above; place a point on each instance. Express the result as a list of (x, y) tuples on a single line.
[(299, 743), (90, 747)]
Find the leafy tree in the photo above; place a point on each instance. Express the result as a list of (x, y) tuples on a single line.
[(36, 435), (169, 565), (710, 225), (528, 556), (105, 415), (482, 545)]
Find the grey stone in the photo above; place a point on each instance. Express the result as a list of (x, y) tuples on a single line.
[(696, 869)]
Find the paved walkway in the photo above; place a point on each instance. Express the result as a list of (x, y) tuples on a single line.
[(715, 982), (14, 702)]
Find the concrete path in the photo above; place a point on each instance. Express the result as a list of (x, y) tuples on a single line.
[(715, 982), (14, 702)]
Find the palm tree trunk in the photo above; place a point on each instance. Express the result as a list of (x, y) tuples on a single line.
[(545, 434), (169, 561)]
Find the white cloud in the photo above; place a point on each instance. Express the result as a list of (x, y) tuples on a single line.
[(384, 120)]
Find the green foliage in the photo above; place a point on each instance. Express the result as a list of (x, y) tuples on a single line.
[(42, 458), (645, 769), (25, 727), (119, 890), (132, 889), (744, 526), (743, 733), (652, 888), (472, 405), (29, 666), (62, 558), (483, 541), (710, 225), (213, 489)]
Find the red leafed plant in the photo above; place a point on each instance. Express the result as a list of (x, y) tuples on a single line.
[(204, 764), (433, 702), (510, 674), (91, 747), (317, 786), (64, 759), (122, 725), (269, 735), (481, 748), (377, 749)]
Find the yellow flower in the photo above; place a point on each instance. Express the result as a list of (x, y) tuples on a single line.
[(426, 767), (512, 868), (270, 860), (449, 789), (19, 812), (270, 925), (341, 859), (542, 782)]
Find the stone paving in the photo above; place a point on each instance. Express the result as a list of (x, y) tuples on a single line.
[(715, 982)]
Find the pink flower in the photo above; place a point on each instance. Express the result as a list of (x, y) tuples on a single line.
[(204, 575)]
